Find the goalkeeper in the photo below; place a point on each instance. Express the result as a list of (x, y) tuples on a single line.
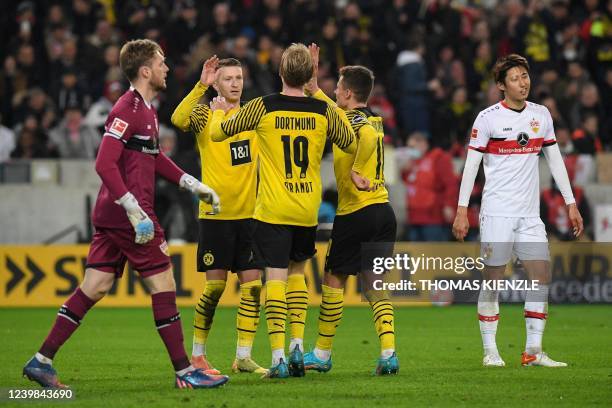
[(126, 226)]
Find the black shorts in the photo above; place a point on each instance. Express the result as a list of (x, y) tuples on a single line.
[(227, 244), (374, 223), (277, 244)]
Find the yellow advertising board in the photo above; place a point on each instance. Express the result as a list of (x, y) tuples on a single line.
[(37, 275), (47, 275)]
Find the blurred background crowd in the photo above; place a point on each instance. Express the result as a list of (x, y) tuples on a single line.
[(432, 59)]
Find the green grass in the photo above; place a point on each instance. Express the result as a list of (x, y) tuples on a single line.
[(117, 360)]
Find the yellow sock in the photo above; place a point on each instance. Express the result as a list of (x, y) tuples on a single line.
[(297, 305), (330, 314), (276, 313), (205, 311), (384, 324), (247, 318)]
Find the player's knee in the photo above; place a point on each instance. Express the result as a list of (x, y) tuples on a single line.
[(217, 289)]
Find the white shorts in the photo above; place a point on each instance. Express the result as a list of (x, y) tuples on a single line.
[(500, 237)]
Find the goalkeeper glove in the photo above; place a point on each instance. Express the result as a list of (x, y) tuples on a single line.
[(204, 193), (143, 226)]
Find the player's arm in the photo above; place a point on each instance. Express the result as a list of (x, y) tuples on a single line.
[(479, 139), (247, 118), (189, 115), (340, 131), (366, 146), (171, 172), (559, 173), (109, 153), (472, 163)]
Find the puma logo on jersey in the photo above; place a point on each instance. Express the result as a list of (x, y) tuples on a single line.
[(279, 325), (298, 315), (389, 322)]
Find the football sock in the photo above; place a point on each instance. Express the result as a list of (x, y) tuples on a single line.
[(384, 324), (247, 318), (204, 313), (67, 321), (488, 317), (276, 316), (330, 315), (536, 308), (297, 304), (185, 370), (168, 323)]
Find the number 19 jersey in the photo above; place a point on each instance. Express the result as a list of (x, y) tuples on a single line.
[(291, 134)]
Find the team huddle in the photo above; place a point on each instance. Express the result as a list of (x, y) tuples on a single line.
[(260, 192)]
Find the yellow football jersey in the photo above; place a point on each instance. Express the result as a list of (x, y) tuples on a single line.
[(368, 161), (230, 167), (291, 133)]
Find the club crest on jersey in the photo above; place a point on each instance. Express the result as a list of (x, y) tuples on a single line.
[(118, 127), (522, 139), (208, 259), (535, 125)]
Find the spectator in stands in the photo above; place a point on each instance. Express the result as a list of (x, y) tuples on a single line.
[(432, 190), (29, 147), (73, 138), (553, 212), (412, 89), (98, 113), (39, 105)]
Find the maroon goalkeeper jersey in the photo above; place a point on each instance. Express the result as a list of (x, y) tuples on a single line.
[(134, 122)]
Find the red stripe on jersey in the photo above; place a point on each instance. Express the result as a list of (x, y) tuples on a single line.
[(512, 146), (549, 143), (484, 318), (535, 315), (479, 149)]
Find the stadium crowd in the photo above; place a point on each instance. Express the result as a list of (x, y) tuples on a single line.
[(432, 59)]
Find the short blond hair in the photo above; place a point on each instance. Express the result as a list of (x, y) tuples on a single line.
[(296, 66)]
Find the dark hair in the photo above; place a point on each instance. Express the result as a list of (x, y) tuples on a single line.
[(136, 53), (503, 64), (359, 79), (228, 62)]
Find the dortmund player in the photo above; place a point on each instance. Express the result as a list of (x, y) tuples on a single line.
[(291, 132), (226, 239), (364, 215)]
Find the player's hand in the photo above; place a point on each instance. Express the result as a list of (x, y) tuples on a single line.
[(362, 183), (220, 103), (204, 193), (209, 71), (575, 219), (143, 226), (312, 86), (461, 224)]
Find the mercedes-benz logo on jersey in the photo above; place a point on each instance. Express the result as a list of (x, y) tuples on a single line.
[(522, 139)]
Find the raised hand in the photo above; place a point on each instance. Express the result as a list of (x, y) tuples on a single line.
[(209, 71), (220, 103), (312, 86)]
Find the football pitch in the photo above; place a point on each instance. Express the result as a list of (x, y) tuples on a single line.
[(116, 359)]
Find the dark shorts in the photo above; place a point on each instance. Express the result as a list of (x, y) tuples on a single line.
[(371, 224), (227, 244), (111, 248), (277, 244)]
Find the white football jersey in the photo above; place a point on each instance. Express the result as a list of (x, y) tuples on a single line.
[(511, 142)]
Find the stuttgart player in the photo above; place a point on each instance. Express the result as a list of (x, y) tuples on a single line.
[(126, 227), (509, 136)]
